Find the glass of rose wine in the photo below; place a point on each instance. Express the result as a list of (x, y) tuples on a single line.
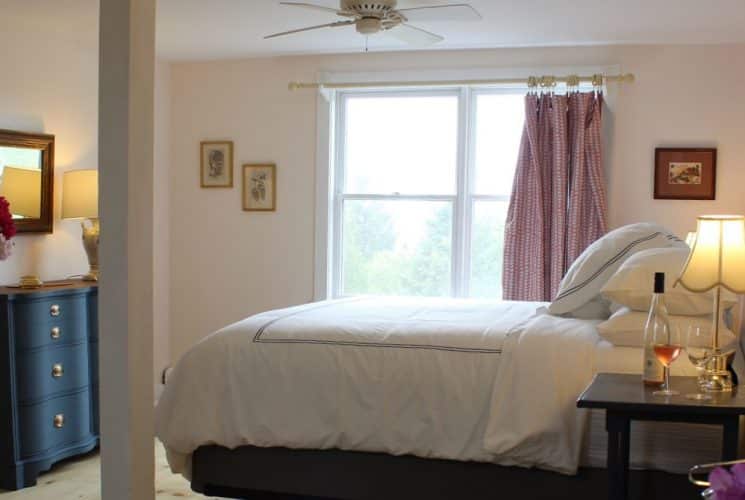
[(667, 347)]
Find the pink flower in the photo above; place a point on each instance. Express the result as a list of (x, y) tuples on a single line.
[(728, 485)]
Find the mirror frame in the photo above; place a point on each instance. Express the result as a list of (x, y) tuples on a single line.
[(44, 143)]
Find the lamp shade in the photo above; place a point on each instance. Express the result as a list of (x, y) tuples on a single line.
[(80, 194), (717, 256), (691, 239), (22, 188)]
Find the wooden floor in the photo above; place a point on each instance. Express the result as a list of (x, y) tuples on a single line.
[(80, 479)]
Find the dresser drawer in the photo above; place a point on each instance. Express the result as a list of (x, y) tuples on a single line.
[(47, 372), (49, 321), (55, 423)]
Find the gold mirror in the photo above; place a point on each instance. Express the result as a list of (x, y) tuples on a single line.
[(26, 179)]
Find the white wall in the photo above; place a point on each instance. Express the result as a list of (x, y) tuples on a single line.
[(226, 264), (49, 83)]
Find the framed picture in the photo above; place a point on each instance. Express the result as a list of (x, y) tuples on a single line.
[(259, 188), (685, 174), (216, 165)]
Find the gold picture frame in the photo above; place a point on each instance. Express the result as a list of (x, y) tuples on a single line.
[(259, 187), (216, 164)]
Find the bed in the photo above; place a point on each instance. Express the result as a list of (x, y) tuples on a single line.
[(405, 398)]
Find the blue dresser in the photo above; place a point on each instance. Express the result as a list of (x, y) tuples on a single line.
[(48, 378)]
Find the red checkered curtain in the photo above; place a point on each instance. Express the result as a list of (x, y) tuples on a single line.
[(558, 203)]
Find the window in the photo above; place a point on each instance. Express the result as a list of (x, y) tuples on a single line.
[(421, 189)]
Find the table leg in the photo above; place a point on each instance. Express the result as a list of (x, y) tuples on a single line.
[(730, 438), (617, 426)]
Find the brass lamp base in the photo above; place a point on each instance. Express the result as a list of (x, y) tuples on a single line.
[(717, 376), (90, 243), (91, 275)]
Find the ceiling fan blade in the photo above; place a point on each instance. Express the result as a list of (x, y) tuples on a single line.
[(313, 6), (413, 35), (455, 12), (309, 28)]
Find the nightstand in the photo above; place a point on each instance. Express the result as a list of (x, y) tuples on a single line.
[(48, 378), (625, 398)]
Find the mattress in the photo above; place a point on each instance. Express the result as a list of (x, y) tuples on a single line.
[(436, 378)]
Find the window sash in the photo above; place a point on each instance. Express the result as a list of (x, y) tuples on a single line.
[(463, 201)]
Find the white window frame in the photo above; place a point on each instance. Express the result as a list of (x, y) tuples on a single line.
[(327, 130), (462, 201)]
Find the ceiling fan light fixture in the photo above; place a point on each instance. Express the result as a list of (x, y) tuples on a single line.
[(369, 25), (376, 16)]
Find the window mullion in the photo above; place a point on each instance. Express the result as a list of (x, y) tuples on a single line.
[(461, 210)]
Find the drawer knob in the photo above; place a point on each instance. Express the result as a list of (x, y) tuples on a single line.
[(56, 333), (57, 370), (59, 421), (54, 310)]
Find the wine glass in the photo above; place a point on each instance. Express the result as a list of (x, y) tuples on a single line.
[(698, 347), (667, 347)]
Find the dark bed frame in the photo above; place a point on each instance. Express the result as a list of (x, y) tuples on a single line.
[(279, 473)]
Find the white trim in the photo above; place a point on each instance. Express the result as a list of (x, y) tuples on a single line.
[(450, 74), (324, 169)]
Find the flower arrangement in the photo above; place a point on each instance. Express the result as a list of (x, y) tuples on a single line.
[(7, 229), (728, 485)]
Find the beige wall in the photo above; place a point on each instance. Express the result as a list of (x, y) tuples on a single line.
[(161, 209), (227, 264), (49, 84)]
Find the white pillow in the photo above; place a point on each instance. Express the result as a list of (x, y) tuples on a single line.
[(633, 284), (626, 328), (597, 308), (601, 260)]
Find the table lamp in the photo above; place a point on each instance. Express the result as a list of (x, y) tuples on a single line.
[(80, 201), (22, 188), (717, 260)]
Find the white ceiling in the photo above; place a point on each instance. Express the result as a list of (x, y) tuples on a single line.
[(218, 29)]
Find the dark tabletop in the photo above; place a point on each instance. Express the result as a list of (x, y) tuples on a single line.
[(615, 391)]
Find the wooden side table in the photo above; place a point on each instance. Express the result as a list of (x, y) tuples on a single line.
[(625, 398)]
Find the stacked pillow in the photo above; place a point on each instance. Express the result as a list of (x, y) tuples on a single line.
[(579, 292), (616, 274), (630, 289), (626, 328)]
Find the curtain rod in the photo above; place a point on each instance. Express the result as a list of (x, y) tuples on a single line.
[(545, 81)]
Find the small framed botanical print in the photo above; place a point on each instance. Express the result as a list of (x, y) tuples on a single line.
[(685, 174), (216, 164), (259, 188)]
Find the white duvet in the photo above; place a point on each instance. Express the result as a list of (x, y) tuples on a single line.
[(457, 379)]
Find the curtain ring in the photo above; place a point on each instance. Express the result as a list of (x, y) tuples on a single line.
[(548, 83), (597, 83), (572, 83)]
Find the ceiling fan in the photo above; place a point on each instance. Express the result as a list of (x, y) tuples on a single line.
[(381, 16)]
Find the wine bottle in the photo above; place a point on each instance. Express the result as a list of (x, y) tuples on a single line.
[(658, 318)]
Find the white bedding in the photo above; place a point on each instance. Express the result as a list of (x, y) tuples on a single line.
[(458, 379), (401, 376)]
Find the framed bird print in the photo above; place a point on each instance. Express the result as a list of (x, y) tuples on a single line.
[(259, 188)]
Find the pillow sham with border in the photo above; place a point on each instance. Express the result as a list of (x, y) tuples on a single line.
[(601, 260)]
